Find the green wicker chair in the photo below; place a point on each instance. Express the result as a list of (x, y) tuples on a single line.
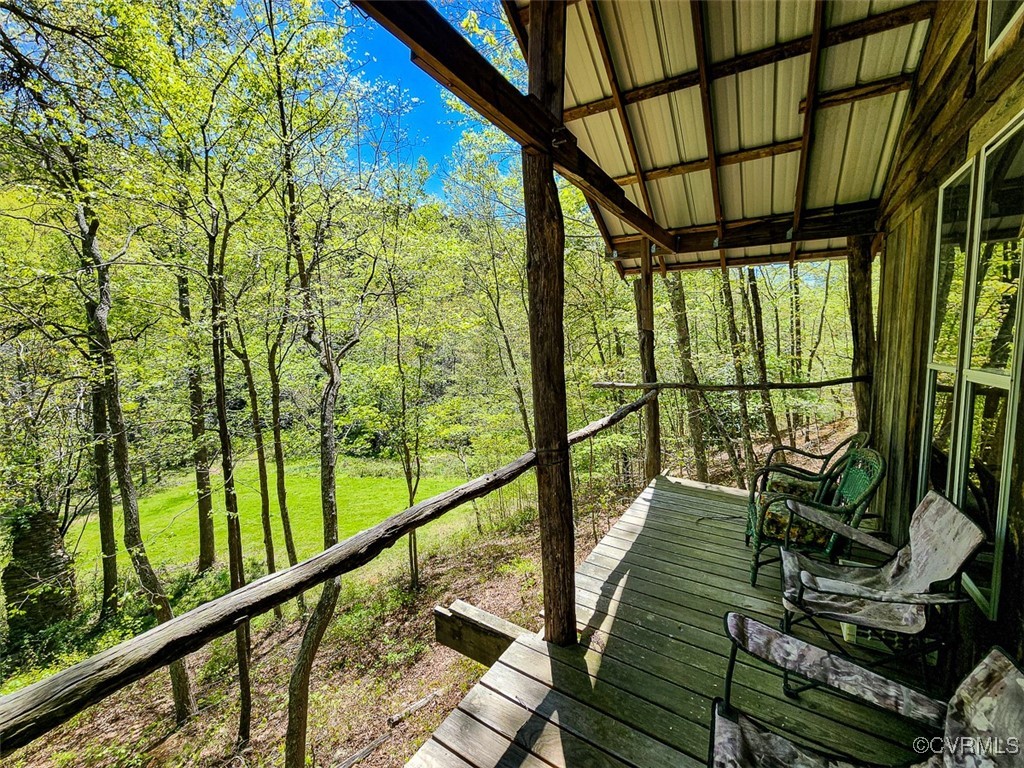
[(782, 477), (844, 491)]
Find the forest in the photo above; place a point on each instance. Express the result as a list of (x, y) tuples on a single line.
[(237, 326)]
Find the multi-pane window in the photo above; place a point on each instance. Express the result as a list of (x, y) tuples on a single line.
[(973, 382)]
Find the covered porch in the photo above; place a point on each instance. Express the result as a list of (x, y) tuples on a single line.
[(638, 689)]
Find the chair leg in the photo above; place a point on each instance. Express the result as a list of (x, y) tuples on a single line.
[(787, 621)]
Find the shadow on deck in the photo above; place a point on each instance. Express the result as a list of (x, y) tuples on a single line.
[(653, 654)]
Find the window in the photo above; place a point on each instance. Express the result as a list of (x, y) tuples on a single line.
[(1001, 16), (973, 379)]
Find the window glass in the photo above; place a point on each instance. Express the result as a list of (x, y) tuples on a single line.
[(950, 270), (1002, 12), (984, 469), (999, 259), (942, 406)]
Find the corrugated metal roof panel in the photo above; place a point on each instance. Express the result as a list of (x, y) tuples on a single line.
[(602, 138), (585, 78), (784, 172), (649, 41), (668, 129)]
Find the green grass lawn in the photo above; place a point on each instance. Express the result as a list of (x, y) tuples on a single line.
[(168, 515)]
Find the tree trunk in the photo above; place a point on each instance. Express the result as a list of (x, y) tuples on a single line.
[(737, 364), (298, 685), (104, 494), (236, 565), (694, 425), (862, 325), (274, 373), (643, 294), (181, 685), (242, 353), (197, 423), (545, 268), (757, 333), (796, 344)]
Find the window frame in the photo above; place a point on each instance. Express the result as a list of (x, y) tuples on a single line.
[(965, 379), (1015, 19)]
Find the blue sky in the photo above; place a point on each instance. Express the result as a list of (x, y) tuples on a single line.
[(434, 129)]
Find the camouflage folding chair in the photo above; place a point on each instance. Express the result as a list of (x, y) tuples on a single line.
[(899, 601), (843, 493), (980, 723)]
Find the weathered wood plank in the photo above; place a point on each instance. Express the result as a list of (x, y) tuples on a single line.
[(473, 632), (525, 734), (433, 754), (583, 721), (614, 689)]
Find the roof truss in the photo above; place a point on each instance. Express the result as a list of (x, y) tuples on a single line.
[(855, 30)]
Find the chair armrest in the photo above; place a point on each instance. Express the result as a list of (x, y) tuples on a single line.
[(818, 665), (800, 451), (824, 516), (837, 587), (759, 481)]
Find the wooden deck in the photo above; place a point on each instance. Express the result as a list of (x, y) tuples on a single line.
[(651, 597)]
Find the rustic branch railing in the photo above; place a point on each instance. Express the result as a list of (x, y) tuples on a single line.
[(732, 387), (36, 709)]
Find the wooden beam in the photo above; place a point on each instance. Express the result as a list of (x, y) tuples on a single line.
[(739, 262), (807, 136), (704, 85), (447, 56), (545, 278), (620, 106), (32, 711), (854, 30), (475, 633), (515, 20), (873, 89), (818, 224)]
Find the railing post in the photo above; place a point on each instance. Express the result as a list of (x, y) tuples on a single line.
[(545, 272), (643, 294)]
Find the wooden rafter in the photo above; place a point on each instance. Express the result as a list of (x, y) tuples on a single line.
[(728, 158), (855, 30), (869, 90), (818, 224), (449, 58), (704, 84), (814, 61), (740, 262)]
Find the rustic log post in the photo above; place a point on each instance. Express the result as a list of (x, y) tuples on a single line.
[(862, 325), (545, 244), (643, 294)]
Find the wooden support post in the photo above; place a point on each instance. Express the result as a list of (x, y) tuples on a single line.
[(643, 293), (862, 325), (545, 273)]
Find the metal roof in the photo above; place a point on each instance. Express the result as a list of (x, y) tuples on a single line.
[(757, 59)]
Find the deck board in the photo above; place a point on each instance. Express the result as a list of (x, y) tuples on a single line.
[(638, 689)]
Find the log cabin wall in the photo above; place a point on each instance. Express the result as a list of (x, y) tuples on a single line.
[(963, 98)]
